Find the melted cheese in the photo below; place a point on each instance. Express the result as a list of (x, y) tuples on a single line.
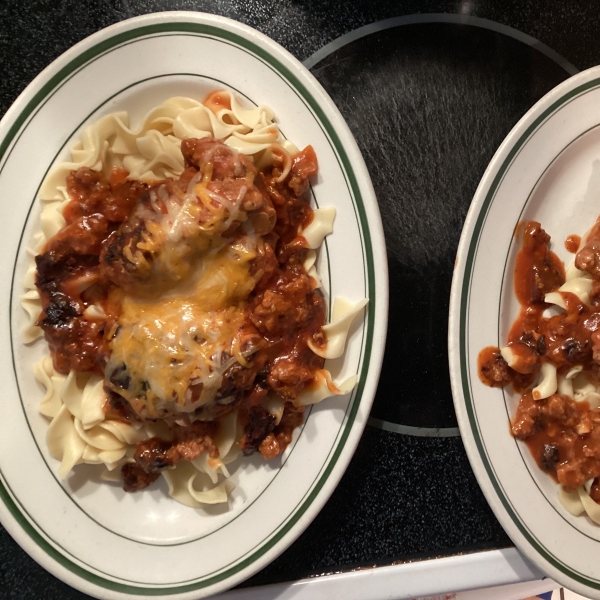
[(170, 353), (180, 227)]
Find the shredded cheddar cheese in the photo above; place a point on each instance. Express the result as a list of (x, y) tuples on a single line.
[(178, 347)]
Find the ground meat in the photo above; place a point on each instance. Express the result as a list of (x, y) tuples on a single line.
[(266, 265), (91, 192), (532, 415), (78, 345), (83, 236), (192, 440), (285, 306), (562, 435), (288, 376), (288, 313)]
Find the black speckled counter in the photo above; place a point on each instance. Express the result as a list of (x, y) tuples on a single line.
[(429, 102)]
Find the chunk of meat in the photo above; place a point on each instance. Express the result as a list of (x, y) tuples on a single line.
[(135, 478), (538, 271), (83, 236), (304, 165), (260, 424), (223, 160), (91, 193), (153, 455), (285, 305), (122, 261), (588, 258), (76, 343), (188, 443), (238, 378), (550, 458), (493, 369), (246, 197), (192, 440), (276, 442)]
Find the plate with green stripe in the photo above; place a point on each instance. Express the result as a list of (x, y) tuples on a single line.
[(88, 532), (546, 170)]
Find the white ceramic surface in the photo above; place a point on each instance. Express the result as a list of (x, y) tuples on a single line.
[(548, 170), (89, 533)]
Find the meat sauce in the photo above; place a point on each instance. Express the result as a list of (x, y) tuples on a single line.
[(283, 308), (562, 435), (68, 273)]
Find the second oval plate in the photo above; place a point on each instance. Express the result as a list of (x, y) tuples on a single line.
[(547, 170)]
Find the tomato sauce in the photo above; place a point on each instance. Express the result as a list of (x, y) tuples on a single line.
[(572, 243), (217, 100)]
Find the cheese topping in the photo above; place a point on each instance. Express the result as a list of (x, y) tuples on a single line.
[(170, 354)]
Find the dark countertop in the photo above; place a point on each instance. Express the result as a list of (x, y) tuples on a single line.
[(440, 98)]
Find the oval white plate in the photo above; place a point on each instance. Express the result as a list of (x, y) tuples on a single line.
[(91, 534), (547, 169)]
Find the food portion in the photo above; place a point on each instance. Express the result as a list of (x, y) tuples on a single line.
[(174, 283), (552, 359)]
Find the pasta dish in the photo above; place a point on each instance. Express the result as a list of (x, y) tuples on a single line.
[(552, 359), (174, 282)]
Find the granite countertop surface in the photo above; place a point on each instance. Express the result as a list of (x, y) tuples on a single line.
[(456, 91)]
